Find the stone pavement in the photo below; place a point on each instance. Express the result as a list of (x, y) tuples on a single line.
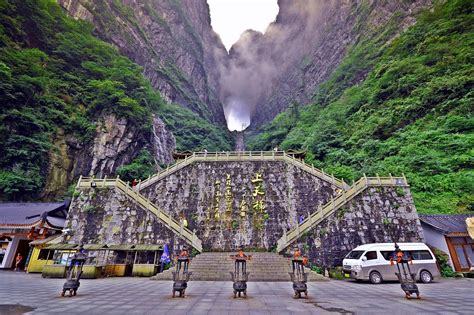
[(142, 296)]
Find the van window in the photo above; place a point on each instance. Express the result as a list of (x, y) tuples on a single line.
[(355, 254), (414, 254), (420, 255), (371, 255), (387, 254)]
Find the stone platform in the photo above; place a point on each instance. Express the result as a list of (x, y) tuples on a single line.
[(21, 292), (215, 266)]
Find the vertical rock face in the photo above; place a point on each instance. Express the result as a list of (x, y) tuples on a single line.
[(162, 141), (184, 58), (59, 167), (116, 142), (172, 40), (266, 72)]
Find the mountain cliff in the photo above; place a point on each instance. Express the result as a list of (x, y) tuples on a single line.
[(172, 40), (300, 50), (73, 105), (396, 104), (363, 86)]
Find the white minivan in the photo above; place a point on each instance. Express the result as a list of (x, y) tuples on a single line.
[(372, 262)]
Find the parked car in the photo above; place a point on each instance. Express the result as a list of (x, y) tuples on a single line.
[(372, 262)]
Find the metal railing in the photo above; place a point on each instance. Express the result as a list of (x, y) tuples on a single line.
[(329, 208), (132, 192), (243, 156)]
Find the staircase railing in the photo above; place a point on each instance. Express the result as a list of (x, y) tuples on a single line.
[(165, 218), (329, 208), (243, 156)]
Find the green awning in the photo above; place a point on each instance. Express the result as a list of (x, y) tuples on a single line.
[(139, 247), (120, 247), (148, 247), (95, 246), (62, 246)]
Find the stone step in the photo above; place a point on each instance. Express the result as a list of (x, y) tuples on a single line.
[(231, 267), (217, 266)]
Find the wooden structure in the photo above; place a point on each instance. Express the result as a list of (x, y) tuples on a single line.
[(102, 260), (449, 233), (181, 155), (23, 222), (41, 256)]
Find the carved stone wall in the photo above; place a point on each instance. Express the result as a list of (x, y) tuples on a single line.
[(240, 203), (107, 216), (250, 204)]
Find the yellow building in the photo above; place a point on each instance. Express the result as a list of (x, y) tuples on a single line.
[(40, 255)]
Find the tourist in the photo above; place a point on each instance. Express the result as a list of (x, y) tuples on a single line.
[(301, 219), (18, 260), (184, 222), (165, 258)]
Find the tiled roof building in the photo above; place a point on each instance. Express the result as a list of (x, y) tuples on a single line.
[(449, 233)]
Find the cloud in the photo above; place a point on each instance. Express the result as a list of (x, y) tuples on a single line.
[(256, 62)]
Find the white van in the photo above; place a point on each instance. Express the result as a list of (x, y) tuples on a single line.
[(372, 262)]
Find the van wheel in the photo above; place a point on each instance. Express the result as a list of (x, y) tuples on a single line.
[(425, 276), (375, 277)]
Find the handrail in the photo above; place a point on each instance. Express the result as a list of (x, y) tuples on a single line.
[(329, 208), (231, 156), (166, 218)]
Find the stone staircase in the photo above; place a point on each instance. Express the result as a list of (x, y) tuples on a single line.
[(165, 218), (291, 236), (242, 156), (216, 266)]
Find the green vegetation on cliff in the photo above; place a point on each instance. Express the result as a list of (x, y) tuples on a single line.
[(56, 76), (404, 108)]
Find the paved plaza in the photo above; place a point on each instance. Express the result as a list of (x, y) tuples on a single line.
[(22, 293)]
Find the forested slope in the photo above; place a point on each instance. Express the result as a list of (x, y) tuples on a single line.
[(405, 107), (59, 81)]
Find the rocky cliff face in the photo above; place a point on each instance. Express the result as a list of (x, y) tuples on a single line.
[(172, 40), (266, 72), (263, 74), (116, 143)]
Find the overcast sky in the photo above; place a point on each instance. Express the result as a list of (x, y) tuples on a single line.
[(230, 18)]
